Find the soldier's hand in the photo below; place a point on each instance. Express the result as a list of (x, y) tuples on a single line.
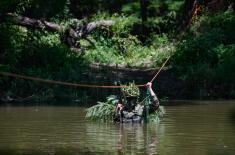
[(149, 84)]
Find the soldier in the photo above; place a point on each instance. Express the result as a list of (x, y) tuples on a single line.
[(133, 111)]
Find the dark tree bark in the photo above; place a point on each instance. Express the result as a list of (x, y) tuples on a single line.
[(143, 5), (190, 8), (70, 35), (34, 23)]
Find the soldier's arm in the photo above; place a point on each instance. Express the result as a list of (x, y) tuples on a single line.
[(155, 102)]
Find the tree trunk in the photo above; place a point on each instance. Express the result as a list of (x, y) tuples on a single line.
[(189, 8), (143, 5)]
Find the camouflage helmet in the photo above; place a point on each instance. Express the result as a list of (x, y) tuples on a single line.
[(131, 90)]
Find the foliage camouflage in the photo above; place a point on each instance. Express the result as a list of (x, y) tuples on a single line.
[(131, 90), (104, 111)]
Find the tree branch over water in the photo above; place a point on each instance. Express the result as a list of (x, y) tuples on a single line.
[(70, 36)]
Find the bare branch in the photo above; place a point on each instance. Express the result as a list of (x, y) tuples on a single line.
[(70, 36), (103, 23), (35, 23)]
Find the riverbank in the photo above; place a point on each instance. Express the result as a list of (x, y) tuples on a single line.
[(167, 85)]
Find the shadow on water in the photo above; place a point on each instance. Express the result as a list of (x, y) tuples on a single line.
[(222, 152), (61, 103), (58, 151), (233, 115)]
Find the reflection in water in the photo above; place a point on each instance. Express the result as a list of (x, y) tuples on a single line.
[(233, 115), (139, 137), (125, 138), (203, 129)]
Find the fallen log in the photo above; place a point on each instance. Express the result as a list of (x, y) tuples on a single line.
[(70, 35)]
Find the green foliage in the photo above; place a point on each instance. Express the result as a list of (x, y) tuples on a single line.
[(131, 90), (119, 45), (131, 8), (36, 8), (11, 43), (17, 6), (103, 111), (204, 42), (38, 54), (174, 5), (157, 115), (205, 56), (226, 65)]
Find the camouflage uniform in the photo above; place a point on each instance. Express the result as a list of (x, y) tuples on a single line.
[(135, 113)]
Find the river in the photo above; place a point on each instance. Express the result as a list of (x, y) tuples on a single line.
[(195, 128)]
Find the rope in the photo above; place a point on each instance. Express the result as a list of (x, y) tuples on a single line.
[(160, 69), (77, 84), (62, 83)]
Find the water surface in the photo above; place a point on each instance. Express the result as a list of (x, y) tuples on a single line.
[(197, 129)]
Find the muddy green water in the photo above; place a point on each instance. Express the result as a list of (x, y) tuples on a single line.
[(206, 128)]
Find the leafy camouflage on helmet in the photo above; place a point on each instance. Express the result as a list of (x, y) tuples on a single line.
[(131, 90)]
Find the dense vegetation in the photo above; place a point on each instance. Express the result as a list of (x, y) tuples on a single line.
[(141, 36)]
